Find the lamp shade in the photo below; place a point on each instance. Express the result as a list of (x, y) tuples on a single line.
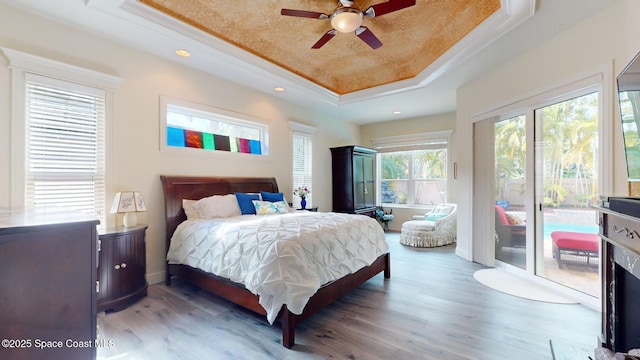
[(128, 202)]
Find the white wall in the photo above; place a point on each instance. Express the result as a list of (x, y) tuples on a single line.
[(438, 122), (610, 36), (138, 161)]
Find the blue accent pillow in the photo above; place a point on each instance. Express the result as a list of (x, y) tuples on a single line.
[(245, 201), (434, 217), (271, 197)]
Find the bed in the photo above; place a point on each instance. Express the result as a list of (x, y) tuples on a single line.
[(177, 188)]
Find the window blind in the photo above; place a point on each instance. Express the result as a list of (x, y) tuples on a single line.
[(434, 140), (65, 146), (431, 144), (302, 165)]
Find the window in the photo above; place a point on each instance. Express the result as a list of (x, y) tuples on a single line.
[(65, 145), (302, 164), (630, 112), (412, 170), (189, 125), (60, 114)]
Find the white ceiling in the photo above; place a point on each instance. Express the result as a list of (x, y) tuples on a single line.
[(503, 36)]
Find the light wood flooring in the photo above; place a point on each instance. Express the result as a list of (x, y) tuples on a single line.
[(431, 308)]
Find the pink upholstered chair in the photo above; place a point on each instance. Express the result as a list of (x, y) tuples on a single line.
[(508, 235)]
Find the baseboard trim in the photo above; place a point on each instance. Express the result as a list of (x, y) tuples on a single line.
[(156, 278), (463, 253)]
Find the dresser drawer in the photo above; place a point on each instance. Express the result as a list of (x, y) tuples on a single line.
[(624, 231)]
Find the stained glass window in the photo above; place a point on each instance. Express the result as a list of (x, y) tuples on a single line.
[(196, 126)]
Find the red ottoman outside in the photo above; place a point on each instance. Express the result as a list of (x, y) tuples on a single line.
[(576, 243)]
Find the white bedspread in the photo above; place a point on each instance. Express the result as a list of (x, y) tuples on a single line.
[(284, 258)]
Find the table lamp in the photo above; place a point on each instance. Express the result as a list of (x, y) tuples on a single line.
[(129, 203)]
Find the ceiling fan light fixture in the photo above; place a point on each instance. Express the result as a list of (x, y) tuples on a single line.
[(346, 19)]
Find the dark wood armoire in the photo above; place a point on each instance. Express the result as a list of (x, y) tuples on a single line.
[(354, 180)]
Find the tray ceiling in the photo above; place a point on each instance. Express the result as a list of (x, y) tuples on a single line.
[(517, 25), (413, 38)]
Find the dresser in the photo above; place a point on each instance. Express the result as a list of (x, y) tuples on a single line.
[(122, 267), (48, 263), (353, 180)]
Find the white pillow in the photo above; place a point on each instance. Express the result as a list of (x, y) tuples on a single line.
[(218, 206), (189, 210), (268, 207), (442, 209)]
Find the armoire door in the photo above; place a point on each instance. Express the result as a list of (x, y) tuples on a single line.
[(369, 181), (359, 182)]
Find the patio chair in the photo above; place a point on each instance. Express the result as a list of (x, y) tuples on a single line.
[(507, 234), (575, 243)]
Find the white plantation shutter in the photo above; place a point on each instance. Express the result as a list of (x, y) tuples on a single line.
[(65, 145), (302, 165)]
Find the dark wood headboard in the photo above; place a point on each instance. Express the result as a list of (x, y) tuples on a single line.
[(177, 188)]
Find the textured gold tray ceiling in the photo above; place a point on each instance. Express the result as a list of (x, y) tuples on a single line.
[(412, 38)]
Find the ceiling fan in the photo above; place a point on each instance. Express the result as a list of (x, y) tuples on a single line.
[(348, 18)]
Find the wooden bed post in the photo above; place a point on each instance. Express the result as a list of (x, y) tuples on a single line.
[(167, 278), (288, 320), (387, 266)]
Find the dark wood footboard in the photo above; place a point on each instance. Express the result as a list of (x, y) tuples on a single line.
[(238, 294), (330, 293)]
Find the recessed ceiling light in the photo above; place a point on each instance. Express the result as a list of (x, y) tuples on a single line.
[(278, 89), (397, 112), (183, 53)]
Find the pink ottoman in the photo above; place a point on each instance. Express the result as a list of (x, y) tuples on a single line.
[(575, 243)]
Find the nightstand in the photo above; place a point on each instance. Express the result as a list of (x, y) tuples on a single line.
[(122, 267)]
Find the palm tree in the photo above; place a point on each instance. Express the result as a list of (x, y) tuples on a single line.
[(431, 165), (570, 143), (630, 111), (510, 154)]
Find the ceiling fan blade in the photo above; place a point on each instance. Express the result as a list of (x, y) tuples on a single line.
[(325, 38), (387, 7), (303, 13), (368, 37)]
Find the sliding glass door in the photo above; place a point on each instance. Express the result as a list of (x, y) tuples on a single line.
[(566, 185), (546, 179), (509, 208)]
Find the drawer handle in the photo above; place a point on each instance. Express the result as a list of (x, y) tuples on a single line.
[(117, 267), (124, 265), (629, 234)]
